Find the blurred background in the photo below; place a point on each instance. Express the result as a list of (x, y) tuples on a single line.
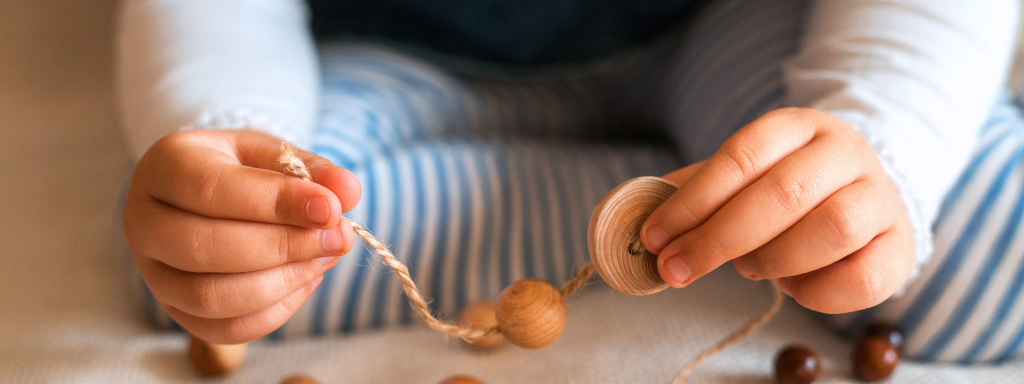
[(64, 313)]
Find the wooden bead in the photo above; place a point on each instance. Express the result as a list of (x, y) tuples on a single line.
[(462, 379), (215, 359), (300, 379), (874, 359), (531, 313), (796, 365), (614, 235), (886, 331), (481, 315)]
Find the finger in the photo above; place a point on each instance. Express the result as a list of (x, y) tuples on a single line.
[(862, 280), (262, 151), (186, 171), (680, 175), (743, 158), (193, 243), (245, 328), (763, 210), (844, 223), (226, 295)]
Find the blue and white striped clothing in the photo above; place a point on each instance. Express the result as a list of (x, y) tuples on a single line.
[(477, 179)]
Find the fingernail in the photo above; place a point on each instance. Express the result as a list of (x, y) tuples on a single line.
[(317, 210), (784, 284), (331, 240), (326, 263), (657, 238), (677, 270), (741, 266)]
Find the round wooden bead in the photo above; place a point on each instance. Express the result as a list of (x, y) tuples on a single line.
[(886, 331), (481, 315), (462, 379), (614, 235), (300, 379), (874, 359), (796, 365), (215, 359), (531, 313)]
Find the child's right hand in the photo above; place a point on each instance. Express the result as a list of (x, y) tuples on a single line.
[(229, 245)]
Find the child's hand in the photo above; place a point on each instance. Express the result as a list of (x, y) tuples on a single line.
[(798, 195), (229, 245)]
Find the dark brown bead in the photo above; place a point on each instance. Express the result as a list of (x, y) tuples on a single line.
[(874, 359), (796, 365), (886, 331)]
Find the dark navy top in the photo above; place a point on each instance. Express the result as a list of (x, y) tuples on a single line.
[(506, 31)]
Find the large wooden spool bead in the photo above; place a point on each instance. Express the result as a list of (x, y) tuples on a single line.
[(215, 359), (531, 313), (614, 235), (482, 315)]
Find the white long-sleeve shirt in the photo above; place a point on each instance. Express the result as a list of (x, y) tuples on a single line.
[(914, 77)]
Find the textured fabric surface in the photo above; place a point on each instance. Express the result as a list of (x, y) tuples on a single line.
[(63, 313)]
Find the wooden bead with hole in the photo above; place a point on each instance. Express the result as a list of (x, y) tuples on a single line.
[(531, 313), (482, 315), (462, 379), (613, 237), (215, 359), (300, 379)]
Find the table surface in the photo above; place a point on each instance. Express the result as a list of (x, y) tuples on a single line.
[(65, 313)]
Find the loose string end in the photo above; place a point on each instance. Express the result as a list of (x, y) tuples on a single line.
[(736, 336)]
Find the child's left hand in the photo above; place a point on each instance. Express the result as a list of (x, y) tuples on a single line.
[(797, 195)]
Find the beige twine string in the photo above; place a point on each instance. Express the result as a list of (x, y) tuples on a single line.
[(294, 166)]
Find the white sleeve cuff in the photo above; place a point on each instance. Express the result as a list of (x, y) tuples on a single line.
[(243, 118)]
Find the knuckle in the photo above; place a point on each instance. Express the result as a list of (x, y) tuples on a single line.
[(677, 216), (207, 299), (284, 245), (788, 194), (742, 159), (295, 274), (242, 329), (870, 289), (209, 187), (284, 205), (842, 226), (198, 252), (713, 246)]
